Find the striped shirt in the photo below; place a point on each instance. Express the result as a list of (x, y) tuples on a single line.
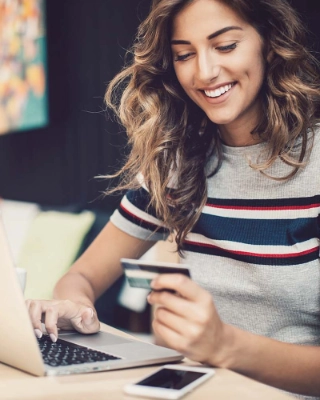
[(255, 247)]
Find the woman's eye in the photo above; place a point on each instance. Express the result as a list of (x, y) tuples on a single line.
[(227, 48), (182, 57)]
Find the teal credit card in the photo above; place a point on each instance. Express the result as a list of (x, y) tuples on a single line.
[(140, 273)]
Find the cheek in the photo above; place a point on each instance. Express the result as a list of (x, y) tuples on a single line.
[(257, 65), (258, 72), (253, 71), (183, 76)]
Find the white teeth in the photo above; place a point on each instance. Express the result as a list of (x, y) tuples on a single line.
[(210, 93), (218, 92)]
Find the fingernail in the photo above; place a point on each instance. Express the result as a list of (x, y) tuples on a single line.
[(53, 337), (153, 283), (38, 333), (91, 312)]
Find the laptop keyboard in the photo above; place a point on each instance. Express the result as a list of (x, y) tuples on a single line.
[(62, 353)]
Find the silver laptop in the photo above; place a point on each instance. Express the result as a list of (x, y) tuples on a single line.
[(73, 352)]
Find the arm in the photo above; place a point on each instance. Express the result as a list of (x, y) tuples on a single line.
[(99, 266), (190, 324), (290, 367), (87, 279)]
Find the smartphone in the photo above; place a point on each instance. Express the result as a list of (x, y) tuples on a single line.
[(170, 382), (140, 273)]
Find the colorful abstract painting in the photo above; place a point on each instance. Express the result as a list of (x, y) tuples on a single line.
[(23, 81)]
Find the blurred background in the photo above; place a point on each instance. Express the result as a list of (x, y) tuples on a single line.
[(84, 42), (83, 45)]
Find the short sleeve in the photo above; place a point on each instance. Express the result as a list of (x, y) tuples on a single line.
[(136, 217)]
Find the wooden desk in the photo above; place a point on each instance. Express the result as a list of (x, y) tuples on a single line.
[(225, 385)]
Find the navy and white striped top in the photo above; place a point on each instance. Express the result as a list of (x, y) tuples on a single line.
[(255, 247)]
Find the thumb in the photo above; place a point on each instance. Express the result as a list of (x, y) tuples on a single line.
[(88, 316), (86, 321)]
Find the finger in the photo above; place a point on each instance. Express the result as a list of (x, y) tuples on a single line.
[(50, 321), (65, 311), (179, 283), (88, 316), (180, 306), (170, 338), (172, 321), (87, 321), (35, 312), (67, 315), (177, 305)]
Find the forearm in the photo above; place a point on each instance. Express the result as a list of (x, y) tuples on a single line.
[(75, 287), (286, 366), (96, 270)]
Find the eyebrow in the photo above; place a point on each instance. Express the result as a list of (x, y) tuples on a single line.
[(213, 35)]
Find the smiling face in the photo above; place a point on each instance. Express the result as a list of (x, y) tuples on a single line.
[(219, 63)]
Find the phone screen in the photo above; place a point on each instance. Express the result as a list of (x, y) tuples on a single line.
[(171, 379)]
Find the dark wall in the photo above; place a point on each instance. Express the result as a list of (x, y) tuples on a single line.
[(56, 165), (309, 11), (86, 42)]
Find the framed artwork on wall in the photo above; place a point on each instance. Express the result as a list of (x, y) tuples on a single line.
[(23, 69)]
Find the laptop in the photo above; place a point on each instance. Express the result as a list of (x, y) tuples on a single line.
[(73, 352)]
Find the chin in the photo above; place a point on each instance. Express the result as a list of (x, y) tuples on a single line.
[(220, 120)]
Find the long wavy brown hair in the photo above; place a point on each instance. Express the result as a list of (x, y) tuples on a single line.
[(170, 136)]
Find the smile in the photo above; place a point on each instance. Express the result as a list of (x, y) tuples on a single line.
[(219, 91)]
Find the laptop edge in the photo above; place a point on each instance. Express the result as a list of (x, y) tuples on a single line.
[(19, 347)]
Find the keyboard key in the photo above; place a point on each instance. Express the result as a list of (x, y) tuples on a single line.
[(62, 353)]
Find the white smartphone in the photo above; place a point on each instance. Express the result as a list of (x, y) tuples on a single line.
[(170, 382), (140, 273)]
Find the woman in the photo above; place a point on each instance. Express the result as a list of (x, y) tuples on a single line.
[(220, 104)]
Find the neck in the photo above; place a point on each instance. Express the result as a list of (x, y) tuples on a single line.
[(239, 136)]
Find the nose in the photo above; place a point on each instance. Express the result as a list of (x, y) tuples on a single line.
[(208, 68)]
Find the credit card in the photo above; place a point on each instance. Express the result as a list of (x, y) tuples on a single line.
[(140, 273)]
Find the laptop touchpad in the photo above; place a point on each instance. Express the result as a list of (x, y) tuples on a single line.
[(95, 340)]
